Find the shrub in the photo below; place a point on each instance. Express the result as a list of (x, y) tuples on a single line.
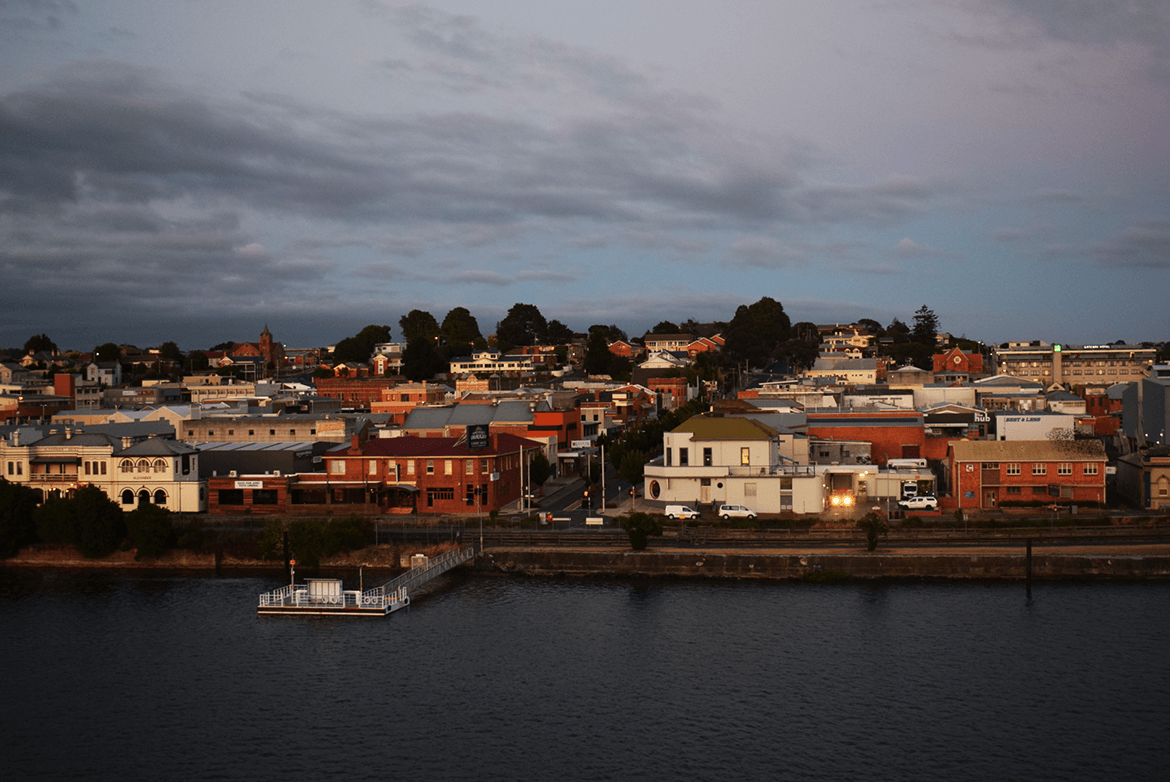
[(874, 525), (151, 530), (18, 505), (640, 526)]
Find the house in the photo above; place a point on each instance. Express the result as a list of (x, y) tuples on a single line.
[(1039, 425), (844, 370), (731, 460), (155, 470), (399, 400), (984, 474), (107, 373), (492, 362), (674, 343)]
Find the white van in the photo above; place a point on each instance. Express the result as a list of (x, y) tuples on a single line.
[(681, 512)]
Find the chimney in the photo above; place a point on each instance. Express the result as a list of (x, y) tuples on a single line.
[(68, 433)]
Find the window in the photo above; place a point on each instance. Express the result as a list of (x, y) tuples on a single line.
[(1012, 469), (265, 497), (1064, 469), (210, 432), (991, 465), (469, 467), (160, 497), (447, 467), (126, 466), (20, 468), (337, 467), (127, 497), (706, 457), (745, 456), (190, 432), (251, 431), (669, 454), (292, 432), (430, 466), (103, 464), (271, 431), (231, 431), (160, 465), (142, 466), (749, 490), (373, 467), (1039, 468), (483, 466), (684, 457), (87, 468), (1013, 490), (11, 468), (1090, 469)]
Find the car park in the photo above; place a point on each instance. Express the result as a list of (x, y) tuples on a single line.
[(922, 502), (681, 512), (736, 512)]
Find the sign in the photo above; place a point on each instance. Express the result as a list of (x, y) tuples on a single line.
[(580, 443), (478, 437), (249, 484)]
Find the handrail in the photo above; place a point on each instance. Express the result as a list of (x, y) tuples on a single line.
[(437, 566)]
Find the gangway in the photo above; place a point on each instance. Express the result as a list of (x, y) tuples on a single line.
[(402, 585)]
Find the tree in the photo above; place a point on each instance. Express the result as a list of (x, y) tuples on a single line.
[(632, 466), (539, 469), (522, 326), (169, 351), (597, 355), (898, 331), (18, 505), (665, 327), (640, 526), (418, 324), (800, 354), (807, 331), (756, 331), (421, 360), (925, 326), (107, 352), (359, 348), (40, 342), (872, 326), (558, 333), (460, 327), (150, 530)]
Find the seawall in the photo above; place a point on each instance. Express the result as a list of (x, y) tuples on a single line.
[(797, 566)]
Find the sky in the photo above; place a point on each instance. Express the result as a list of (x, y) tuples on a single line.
[(194, 170)]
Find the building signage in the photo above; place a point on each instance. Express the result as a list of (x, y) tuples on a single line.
[(249, 484), (581, 443), (478, 437), (1022, 420)]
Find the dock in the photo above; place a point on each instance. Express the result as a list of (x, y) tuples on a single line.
[(328, 597)]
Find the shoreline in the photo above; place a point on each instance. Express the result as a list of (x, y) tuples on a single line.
[(991, 561)]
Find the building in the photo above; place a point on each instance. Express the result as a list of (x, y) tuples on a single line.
[(984, 474), (1074, 365), (1143, 478), (711, 459), (955, 362), (399, 400), (892, 434), (155, 470), (492, 362)]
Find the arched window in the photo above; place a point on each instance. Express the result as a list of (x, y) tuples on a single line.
[(160, 497), (143, 465), (127, 497), (143, 497), (126, 466), (160, 465)]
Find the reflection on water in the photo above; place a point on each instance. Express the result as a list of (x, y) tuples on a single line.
[(173, 676)]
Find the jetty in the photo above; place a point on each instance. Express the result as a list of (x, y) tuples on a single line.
[(328, 597)]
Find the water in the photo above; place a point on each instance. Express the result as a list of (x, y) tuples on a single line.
[(126, 677)]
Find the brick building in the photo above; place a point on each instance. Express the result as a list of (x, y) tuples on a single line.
[(892, 434), (354, 393), (986, 473)]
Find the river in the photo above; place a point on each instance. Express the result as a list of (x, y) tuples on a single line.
[(128, 676)]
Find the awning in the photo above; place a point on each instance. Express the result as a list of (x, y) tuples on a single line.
[(55, 460)]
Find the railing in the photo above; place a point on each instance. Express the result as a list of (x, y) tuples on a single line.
[(298, 596), (437, 566)]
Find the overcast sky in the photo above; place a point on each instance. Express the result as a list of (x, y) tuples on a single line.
[(192, 171)]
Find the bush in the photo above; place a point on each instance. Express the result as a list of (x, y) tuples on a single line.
[(874, 525), (640, 526), (151, 530), (18, 528), (99, 524)]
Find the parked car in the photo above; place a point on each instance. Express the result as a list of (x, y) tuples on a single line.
[(919, 503), (681, 512), (736, 512)]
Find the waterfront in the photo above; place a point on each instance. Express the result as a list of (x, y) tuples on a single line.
[(160, 675)]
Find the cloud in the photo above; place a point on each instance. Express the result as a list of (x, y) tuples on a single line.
[(545, 275), (482, 277), (1144, 244)]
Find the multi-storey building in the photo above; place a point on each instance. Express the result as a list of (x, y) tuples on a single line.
[(1074, 365), (986, 473), (156, 470)]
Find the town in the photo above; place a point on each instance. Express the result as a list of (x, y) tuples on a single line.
[(752, 417)]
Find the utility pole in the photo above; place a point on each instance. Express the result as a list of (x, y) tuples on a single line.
[(603, 480)]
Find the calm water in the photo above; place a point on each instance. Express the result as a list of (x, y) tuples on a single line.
[(166, 676)]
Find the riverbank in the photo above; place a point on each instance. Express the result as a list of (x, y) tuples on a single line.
[(1144, 562), (994, 559)]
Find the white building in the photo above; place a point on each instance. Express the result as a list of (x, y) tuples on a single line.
[(154, 471)]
